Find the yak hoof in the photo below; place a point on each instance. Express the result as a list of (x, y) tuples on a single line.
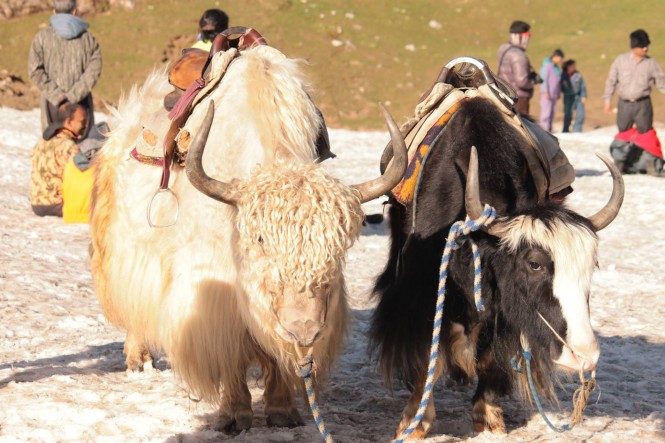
[(418, 434), (138, 357), (488, 418), (140, 365), (479, 428), (285, 419), (234, 424)]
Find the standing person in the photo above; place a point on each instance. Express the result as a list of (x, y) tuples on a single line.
[(514, 66), (633, 73), (65, 62), (550, 71), (212, 23), (49, 157), (574, 92)]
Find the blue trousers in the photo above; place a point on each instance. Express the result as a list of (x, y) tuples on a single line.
[(573, 105)]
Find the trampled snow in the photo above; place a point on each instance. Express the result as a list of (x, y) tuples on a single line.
[(62, 372)]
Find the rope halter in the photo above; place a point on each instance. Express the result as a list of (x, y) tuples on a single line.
[(305, 368), (458, 234), (581, 394)]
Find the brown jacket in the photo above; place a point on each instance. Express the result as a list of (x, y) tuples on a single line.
[(515, 69)]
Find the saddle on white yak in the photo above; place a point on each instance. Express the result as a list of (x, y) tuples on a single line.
[(464, 78), (194, 76)]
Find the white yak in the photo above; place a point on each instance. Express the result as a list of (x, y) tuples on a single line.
[(244, 276)]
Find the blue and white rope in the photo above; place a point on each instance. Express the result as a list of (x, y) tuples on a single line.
[(458, 234), (527, 358), (580, 397), (306, 365)]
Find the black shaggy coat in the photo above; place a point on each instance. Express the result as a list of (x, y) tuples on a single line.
[(402, 323)]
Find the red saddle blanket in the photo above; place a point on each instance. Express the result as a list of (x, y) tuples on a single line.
[(648, 141)]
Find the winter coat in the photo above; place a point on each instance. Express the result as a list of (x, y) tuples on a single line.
[(65, 60), (550, 72), (573, 85), (515, 68)]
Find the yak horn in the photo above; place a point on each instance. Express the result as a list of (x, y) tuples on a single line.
[(606, 215), (394, 173), (474, 208), (221, 191)]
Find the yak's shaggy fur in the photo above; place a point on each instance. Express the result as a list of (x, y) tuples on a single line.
[(201, 289), (543, 263)]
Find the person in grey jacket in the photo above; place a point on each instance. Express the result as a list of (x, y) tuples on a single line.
[(633, 73), (65, 62), (515, 67)]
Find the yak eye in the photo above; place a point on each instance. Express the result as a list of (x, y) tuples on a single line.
[(535, 266)]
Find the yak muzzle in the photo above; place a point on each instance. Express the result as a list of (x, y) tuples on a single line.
[(302, 315), (585, 357)]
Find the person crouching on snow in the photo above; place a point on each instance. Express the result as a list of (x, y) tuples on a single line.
[(78, 177), (49, 157)]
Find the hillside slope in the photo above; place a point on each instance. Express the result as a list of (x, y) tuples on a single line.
[(361, 53)]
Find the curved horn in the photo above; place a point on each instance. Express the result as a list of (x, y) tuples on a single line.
[(216, 189), (606, 215), (395, 172), (474, 208)]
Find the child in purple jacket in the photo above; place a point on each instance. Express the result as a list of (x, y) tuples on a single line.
[(550, 90)]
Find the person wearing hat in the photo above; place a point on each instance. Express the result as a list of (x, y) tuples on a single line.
[(632, 74), (515, 67), (550, 90), (49, 157), (65, 62)]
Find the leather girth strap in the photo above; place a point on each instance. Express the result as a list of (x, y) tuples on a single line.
[(238, 37)]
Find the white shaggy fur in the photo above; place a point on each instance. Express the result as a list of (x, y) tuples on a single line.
[(201, 290), (573, 249)]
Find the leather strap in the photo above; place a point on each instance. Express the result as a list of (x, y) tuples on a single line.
[(235, 37), (178, 116)]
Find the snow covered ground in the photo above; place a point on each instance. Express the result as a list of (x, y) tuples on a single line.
[(62, 374)]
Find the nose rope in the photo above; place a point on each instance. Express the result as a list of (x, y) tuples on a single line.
[(304, 371), (580, 396)]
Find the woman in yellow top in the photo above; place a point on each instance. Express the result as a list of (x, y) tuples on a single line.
[(212, 22), (78, 177)]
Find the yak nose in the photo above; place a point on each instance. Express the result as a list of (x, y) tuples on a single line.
[(588, 355), (304, 331)]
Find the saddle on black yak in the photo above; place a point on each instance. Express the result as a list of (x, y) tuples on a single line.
[(461, 79)]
